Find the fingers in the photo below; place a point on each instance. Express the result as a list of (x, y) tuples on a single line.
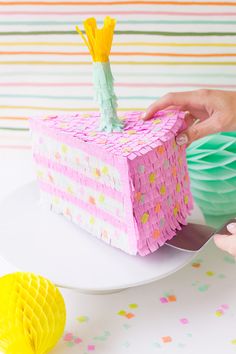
[(199, 130), (226, 243), (183, 100)]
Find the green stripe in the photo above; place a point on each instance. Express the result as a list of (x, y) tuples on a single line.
[(14, 129), (148, 33), (134, 22), (85, 98)]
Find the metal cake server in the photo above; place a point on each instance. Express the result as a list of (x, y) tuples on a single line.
[(193, 237)]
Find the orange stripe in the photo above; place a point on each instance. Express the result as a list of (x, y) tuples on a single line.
[(140, 2), (128, 53), (13, 118)]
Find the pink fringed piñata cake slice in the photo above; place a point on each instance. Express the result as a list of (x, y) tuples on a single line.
[(130, 189)]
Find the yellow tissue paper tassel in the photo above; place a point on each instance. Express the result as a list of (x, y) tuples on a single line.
[(99, 41), (32, 314)]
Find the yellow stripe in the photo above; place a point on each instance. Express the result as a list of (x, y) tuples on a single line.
[(119, 44), (65, 109)]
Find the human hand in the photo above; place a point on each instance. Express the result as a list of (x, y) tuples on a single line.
[(215, 110), (227, 243)]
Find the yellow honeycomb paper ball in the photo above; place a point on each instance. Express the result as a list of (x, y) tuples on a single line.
[(32, 314)]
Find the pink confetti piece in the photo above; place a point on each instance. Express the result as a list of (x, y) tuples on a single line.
[(163, 300), (184, 321), (91, 347), (78, 340), (68, 337)]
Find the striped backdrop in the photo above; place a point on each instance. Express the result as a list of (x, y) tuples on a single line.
[(159, 46)]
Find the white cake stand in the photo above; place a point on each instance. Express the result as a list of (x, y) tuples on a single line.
[(37, 240)]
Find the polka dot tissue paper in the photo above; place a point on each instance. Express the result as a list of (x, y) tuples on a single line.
[(130, 188)]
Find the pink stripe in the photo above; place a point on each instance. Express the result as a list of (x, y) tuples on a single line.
[(78, 177), (49, 13), (89, 208), (119, 84)]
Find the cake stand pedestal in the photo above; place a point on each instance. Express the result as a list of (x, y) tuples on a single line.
[(36, 240)]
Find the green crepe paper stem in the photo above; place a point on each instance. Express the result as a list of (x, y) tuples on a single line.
[(106, 98)]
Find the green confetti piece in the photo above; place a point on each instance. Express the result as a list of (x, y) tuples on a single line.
[(156, 345), (229, 259), (70, 344), (126, 326), (221, 276), (189, 335), (133, 306), (203, 288)]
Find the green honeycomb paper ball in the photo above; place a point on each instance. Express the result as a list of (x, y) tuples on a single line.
[(212, 168)]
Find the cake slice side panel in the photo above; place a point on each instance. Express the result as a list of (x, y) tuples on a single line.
[(84, 184)]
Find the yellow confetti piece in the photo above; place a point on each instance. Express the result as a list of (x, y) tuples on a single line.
[(178, 187), (101, 198), (133, 306), (157, 121), (131, 132), (185, 199), (152, 177), (70, 190), (121, 313), (105, 170), (86, 115), (55, 200), (124, 140), (64, 148), (210, 273), (233, 341), (82, 319), (176, 210), (163, 190), (144, 218), (92, 220), (218, 313)]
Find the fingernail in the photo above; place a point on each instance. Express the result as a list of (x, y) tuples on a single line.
[(231, 227), (143, 115), (182, 139)]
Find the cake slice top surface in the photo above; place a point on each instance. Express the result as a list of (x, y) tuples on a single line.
[(137, 138)]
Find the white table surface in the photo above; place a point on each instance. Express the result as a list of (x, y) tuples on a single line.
[(190, 324)]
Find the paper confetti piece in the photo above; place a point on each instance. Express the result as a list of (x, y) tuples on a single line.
[(91, 347), (196, 265), (133, 306), (229, 259), (82, 319), (184, 321), (233, 341), (121, 313), (126, 326), (129, 315), (166, 339), (126, 344), (204, 287), (157, 345), (68, 337), (171, 298), (219, 313), (163, 300), (210, 273)]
